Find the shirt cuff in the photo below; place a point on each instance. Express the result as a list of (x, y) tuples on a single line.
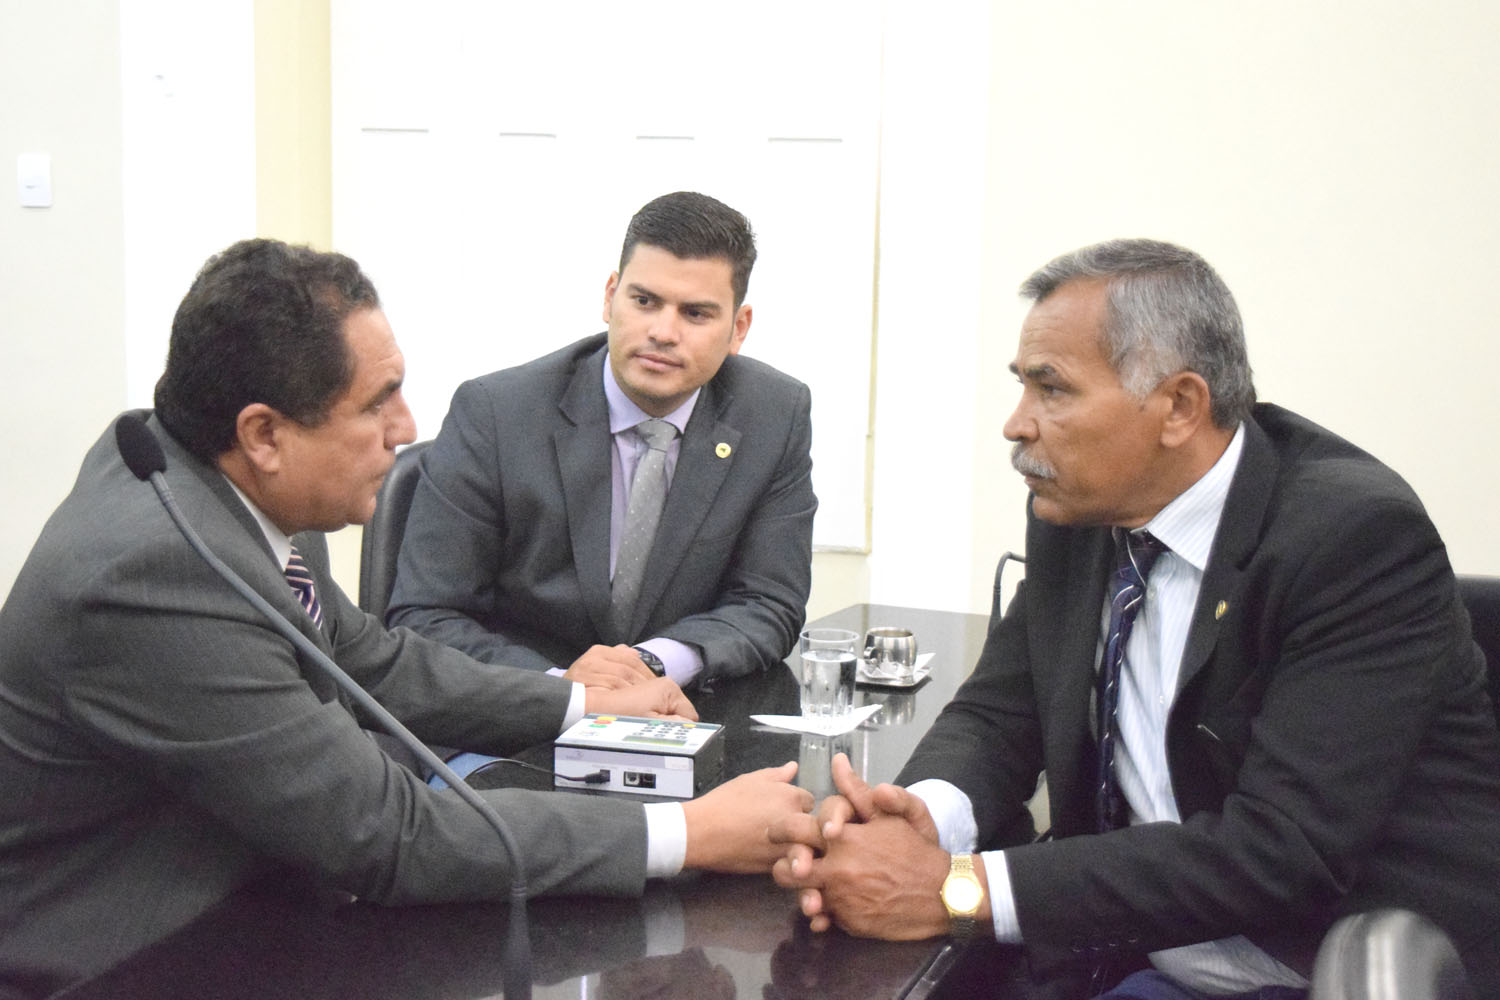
[(577, 707), (1002, 899), (681, 661), (666, 839), (952, 813)]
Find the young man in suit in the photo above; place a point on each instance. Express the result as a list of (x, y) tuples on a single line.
[(1238, 655), (163, 744), (521, 547)]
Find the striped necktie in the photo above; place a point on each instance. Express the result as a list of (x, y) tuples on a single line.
[(1135, 554), (301, 581)]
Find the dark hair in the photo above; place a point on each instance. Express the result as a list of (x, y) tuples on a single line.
[(694, 226), (1167, 312), (262, 323)]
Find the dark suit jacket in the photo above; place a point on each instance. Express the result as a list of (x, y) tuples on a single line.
[(506, 553), (160, 743), (1331, 746)]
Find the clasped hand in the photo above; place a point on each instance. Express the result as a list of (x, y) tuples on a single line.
[(609, 667), (867, 859)]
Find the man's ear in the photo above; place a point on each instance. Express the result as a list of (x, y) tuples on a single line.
[(609, 293), (740, 330), (1189, 407), (257, 432)]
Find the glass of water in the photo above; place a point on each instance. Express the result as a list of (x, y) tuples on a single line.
[(829, 659)]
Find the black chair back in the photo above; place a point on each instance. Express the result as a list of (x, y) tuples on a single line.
[(382, 538), (997, 601), (1481, 595)]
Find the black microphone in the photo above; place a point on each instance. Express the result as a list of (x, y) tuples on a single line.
[(143, 456), (138, 447)]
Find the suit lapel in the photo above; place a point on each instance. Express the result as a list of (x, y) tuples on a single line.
[(701, 470), (582, 444), (1239, 532)]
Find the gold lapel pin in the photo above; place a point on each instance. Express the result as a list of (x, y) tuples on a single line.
[(722, 449), (1219, 611)]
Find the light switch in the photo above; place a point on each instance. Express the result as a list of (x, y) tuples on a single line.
[(34, 180)]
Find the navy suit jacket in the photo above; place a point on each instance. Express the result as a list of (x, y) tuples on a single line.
[(1331, 746), (506, 551)]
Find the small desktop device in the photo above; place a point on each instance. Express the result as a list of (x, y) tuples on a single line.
[(659, 757)]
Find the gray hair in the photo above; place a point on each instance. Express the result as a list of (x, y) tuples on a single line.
[(1167, 311)]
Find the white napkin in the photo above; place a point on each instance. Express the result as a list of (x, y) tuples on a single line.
[(820, 725)]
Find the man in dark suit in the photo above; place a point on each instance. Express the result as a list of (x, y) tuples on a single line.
[(1298, 726), (162, 744), (512, 550)]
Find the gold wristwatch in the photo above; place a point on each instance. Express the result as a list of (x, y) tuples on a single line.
[(962, 894)]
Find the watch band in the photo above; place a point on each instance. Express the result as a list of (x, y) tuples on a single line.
[(651, 660)]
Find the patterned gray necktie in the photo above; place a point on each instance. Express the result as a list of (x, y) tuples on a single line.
[(1135, 555), (647, 494), (301, 581)]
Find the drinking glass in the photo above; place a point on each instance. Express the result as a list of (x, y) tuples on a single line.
[(830, 657)]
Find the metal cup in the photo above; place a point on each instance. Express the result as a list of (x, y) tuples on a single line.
[(891, 652)]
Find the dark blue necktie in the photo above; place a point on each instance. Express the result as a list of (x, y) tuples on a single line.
[(1135, 554), (300, 578)]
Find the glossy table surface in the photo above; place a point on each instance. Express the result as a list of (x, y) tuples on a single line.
[(698, 935)]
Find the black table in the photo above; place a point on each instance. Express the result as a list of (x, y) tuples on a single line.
[(698, 935)]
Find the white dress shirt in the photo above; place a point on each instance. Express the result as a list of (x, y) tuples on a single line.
[(1148, 685)]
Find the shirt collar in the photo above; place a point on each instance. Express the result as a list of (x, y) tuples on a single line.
[(280, 544), (624, 414), (1187, 525)]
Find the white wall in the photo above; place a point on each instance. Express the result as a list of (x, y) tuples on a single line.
[(933, 182), (61, 283), (146, 108), (1337, 163), (189, 168)]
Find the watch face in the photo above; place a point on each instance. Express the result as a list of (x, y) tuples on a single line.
[(962, 895), (651, 660)]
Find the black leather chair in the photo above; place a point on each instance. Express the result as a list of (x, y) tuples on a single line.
[(997, 606), (1388, 955), (1481, 595), (382, 537)]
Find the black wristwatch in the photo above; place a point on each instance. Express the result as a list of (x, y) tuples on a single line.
[(652, 661)]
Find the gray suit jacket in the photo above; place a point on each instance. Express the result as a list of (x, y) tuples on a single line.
[(160, 743), (506, 553), (1331, 746)]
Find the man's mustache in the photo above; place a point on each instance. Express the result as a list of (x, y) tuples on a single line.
[(1028, 464)]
